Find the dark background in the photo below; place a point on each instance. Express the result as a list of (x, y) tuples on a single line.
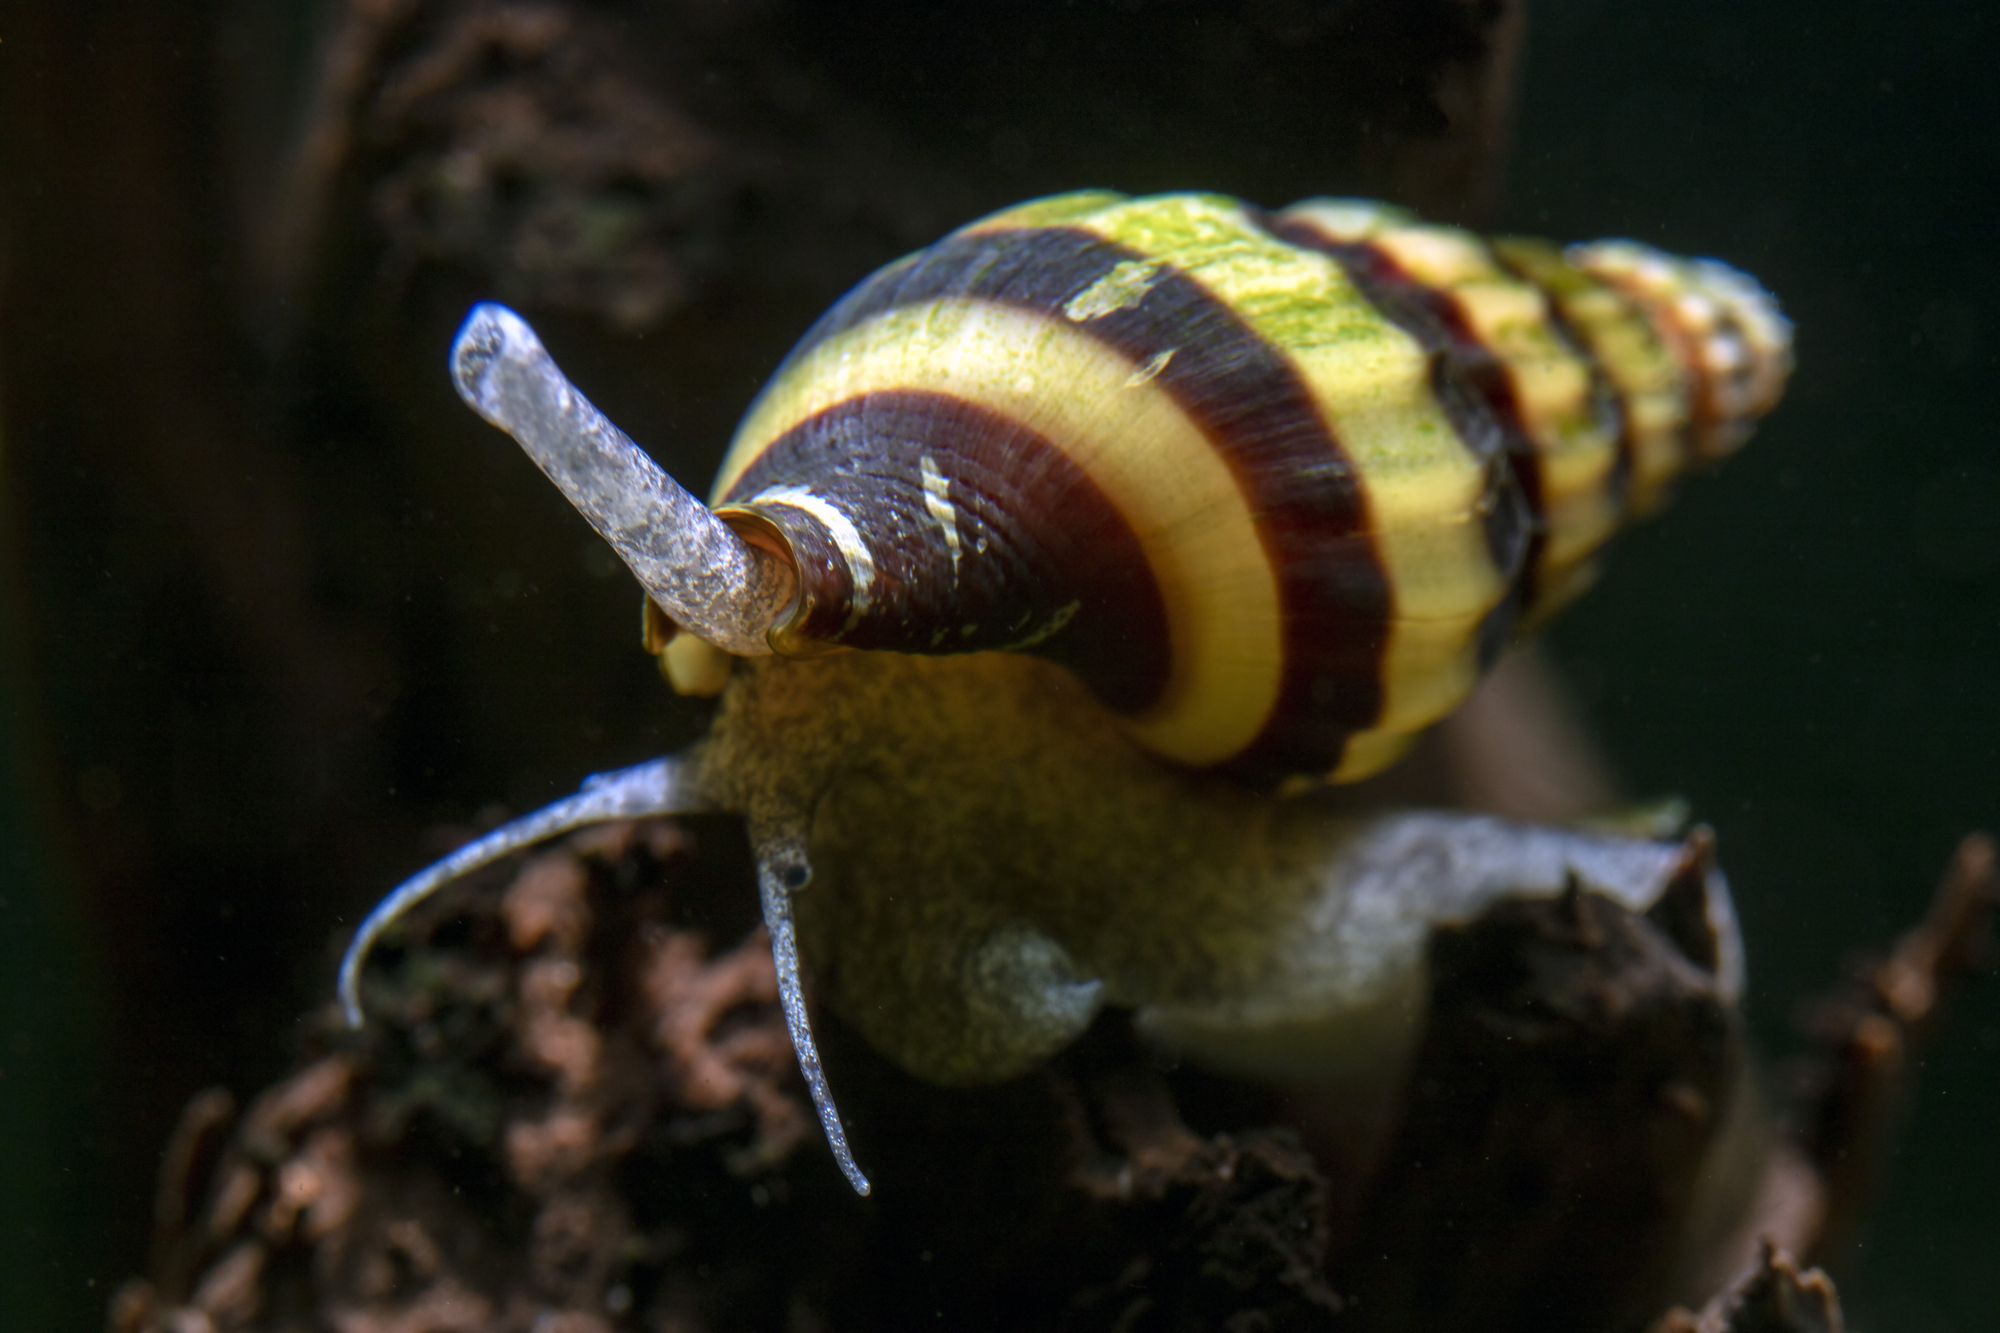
[(274, 605)]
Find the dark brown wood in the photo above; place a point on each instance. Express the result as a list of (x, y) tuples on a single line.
[(571, 1106), (1871, 1033)]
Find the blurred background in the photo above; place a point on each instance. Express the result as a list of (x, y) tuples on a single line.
[(274, 608)]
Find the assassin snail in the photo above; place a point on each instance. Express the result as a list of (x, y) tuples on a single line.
[(1064, 564)]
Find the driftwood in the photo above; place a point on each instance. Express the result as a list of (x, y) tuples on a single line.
[(572, 1111)]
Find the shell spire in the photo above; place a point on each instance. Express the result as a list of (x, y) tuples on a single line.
[(1734, 345)]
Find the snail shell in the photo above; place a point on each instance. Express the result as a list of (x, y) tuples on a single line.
[(1276, 488)]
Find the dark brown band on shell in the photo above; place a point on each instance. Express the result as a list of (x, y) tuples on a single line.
[(1606, 403), (984, 535), (1473, 387)]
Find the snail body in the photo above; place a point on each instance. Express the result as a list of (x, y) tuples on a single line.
[(1059, 554), (994, 860)]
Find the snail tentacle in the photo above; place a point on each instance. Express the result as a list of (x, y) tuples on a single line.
[(782, 870), (657, 787), (704, 576)]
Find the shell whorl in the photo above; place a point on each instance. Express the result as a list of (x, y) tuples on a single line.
[(1276, 487)]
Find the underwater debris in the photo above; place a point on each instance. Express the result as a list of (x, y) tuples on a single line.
[(1871, 1032), (573, 1113), (1775, 1297)]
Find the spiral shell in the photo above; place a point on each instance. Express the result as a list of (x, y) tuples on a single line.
[(1275, 486)]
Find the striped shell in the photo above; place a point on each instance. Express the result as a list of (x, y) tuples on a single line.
[(1275, 486)]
